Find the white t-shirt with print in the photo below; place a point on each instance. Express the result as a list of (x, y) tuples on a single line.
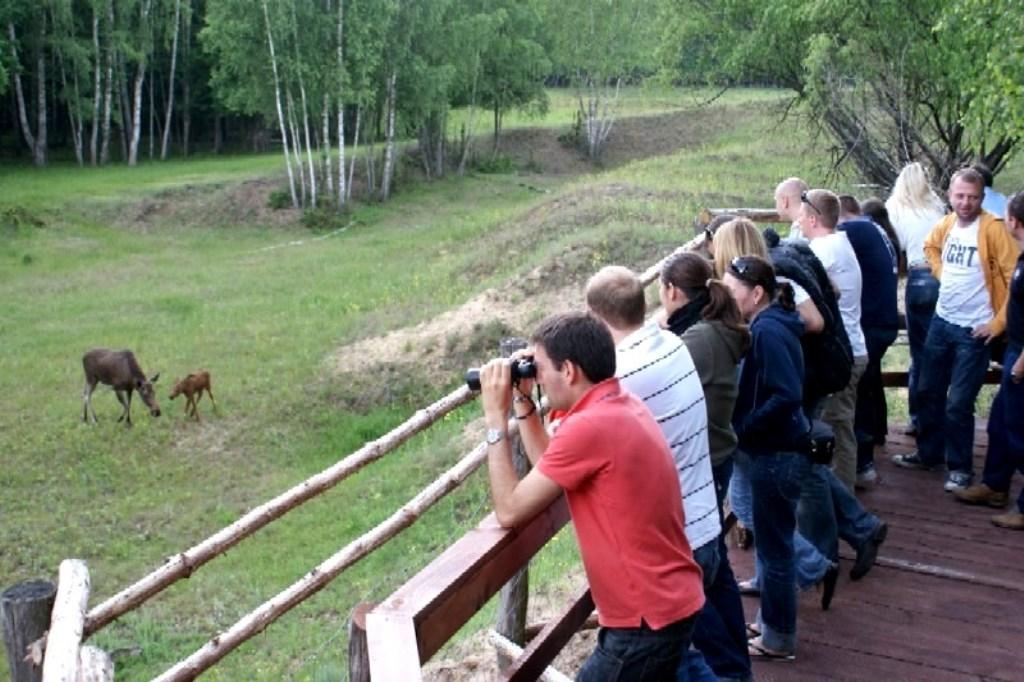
[(836, 253), (963, 297), (653, 364)]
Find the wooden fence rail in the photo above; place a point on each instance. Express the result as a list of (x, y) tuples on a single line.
[(182, 565)]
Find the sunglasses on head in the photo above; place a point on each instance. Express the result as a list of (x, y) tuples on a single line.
[(740, 266), (807, 200)]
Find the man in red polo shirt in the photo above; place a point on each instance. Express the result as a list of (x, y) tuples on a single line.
[(610, 458)]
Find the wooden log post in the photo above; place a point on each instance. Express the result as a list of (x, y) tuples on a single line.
[(358, 650), (514, 597), (25, 615), (67, 622), (94, 665)]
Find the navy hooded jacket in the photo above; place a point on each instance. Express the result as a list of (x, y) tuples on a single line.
[(769, 415)]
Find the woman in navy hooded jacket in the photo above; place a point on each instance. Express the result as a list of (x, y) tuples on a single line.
[(771, 426)]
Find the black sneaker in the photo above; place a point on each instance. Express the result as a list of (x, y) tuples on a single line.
[(828, 586), (868, 552)]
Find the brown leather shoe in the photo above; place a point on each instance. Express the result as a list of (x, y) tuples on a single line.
[(1013, 520), (979, 493)]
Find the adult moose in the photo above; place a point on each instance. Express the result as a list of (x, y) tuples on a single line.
[(120, 370)]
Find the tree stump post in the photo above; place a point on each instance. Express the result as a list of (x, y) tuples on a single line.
[(25, 614), (514, 596), (358, 651)]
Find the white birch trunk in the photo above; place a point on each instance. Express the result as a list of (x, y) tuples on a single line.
[(140, 78), (389, 148), (280, 112), (309, 147), (74, 119), (97, 87), (152, 110), (170, 84), (39, 153), (296, 146), (108, 97), (325, 147), (355, 148), (342, 188)]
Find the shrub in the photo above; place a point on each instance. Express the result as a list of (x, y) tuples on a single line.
[(279, 198)]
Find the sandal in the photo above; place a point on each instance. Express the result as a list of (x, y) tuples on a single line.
[(757, 650), (753, 631)]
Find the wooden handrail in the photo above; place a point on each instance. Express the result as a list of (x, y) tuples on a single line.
[(410, 626)]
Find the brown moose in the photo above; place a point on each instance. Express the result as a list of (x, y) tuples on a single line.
[(120, 370), (192, 388)]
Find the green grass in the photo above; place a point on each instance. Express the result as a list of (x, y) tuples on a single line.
[(205, 292)]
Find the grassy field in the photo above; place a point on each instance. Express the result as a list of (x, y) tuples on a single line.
[(149, 259)]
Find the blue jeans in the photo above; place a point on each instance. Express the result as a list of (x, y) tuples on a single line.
[(775, 483), (955, 364), (921, 296), (829, 511), (1006, 431), (739, 489), (720, 635), (870, 421), (637, 654)]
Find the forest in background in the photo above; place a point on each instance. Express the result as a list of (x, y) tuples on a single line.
[(116, 81)]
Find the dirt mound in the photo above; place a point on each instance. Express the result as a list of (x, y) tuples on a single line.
[(214, 205), (632, 138)]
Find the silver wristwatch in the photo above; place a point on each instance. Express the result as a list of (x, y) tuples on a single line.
[(494, 436)]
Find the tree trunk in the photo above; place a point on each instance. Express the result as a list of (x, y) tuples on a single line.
[(26, 131), (342, 191), (280, 112), (25, 614), (39, 153), (355, 148), (296, 146), (186, 90), (170, 82), (152, 111), (109, 92), (136, 120), (325, 148), (74, 118), (389, 149), (97, 87), (122, 87)]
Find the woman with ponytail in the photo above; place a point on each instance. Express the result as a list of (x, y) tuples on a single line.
[(772, 429), (703, 313)]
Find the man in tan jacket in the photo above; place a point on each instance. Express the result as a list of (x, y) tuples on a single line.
[(973, 257)]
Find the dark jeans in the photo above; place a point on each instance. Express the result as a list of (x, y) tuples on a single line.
[(720, 635), (829, 511), (870, 421), (955, 364), (638, 654), (775, 482), (921, 296), (1006, 431)]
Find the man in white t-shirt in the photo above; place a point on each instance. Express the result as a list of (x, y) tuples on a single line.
[(819, 215), (653, 363), (972, 255)]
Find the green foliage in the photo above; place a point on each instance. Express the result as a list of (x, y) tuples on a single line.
[(279, 199), (891, 81), (495, 163)]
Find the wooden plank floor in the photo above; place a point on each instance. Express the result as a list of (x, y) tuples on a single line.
[(944, 602)]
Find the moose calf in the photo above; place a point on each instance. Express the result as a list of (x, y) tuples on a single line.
[(192, 388), (120, 370)]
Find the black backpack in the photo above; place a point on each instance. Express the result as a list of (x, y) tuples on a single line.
[(828, 357)]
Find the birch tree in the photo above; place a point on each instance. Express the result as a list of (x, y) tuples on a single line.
[(35, 44), (170, 79), (598, 44)]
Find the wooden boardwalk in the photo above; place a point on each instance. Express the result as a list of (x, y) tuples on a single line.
[(944, 602)]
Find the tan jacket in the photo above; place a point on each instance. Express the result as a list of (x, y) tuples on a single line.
[(997, 251)]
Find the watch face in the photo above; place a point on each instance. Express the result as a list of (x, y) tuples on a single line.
[(494, 435)]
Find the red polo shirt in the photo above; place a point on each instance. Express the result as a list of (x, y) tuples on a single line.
[(620, 481)]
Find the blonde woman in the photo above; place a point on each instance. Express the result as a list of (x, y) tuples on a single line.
[(914, 209)]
